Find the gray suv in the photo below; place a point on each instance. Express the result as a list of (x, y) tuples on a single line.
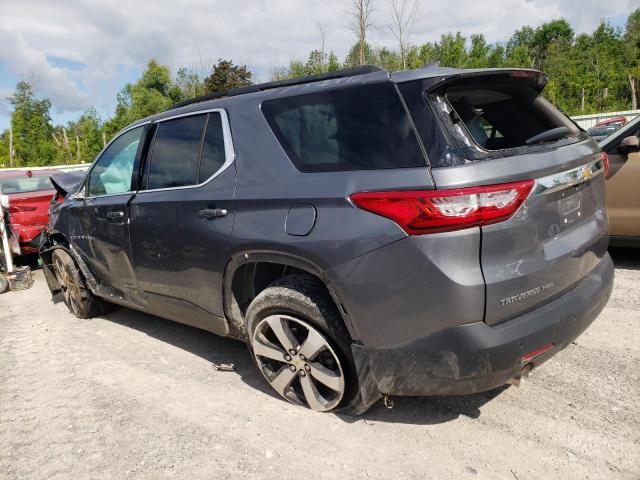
[(427, 232)]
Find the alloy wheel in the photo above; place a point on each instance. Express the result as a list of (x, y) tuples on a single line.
[(298, 362), (68, 286)]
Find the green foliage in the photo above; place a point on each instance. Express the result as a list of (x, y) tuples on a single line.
[(153, 93), (32, 129), (226, 75), (317, 63), (478, 53), (88, 130), (188, 83), (353, 56)]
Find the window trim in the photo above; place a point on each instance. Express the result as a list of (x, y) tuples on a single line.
[(229, 152), (85, 181)]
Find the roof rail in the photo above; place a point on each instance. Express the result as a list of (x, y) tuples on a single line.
[(232, 92)]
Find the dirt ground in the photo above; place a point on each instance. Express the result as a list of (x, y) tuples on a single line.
[(135, 396)]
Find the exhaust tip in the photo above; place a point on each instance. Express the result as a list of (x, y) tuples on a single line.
[(524, 373)]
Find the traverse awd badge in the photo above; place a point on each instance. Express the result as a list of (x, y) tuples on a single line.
[(528, 294)]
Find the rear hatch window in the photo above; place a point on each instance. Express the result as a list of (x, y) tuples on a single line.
[(506, 116), (354, 128), (485, 117)]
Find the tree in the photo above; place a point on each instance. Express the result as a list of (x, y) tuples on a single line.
[(361, 12), (189, 83), (519, 50), (478, 53), (226, 75), (153, 93), (632, 54), (353, 57), (451, 50), (31, 124), (87, 132), (403, 19), (557, 32)]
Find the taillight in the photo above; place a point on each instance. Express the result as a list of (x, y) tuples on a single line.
[(420, 212), (605, 162), (21, 208)]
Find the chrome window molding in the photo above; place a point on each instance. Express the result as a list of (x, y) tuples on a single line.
[(569, 178), (229, 152)]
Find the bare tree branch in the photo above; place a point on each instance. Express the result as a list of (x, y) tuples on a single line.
[(361, 12), (322, 51), (403, 20)]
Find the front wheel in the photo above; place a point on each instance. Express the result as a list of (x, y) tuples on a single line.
[(77, 296), (300, 344)]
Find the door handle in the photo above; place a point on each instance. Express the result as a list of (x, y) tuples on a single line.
[(212, 213), (115, 215)]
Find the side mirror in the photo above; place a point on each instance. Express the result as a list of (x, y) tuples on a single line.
[(629, 144)]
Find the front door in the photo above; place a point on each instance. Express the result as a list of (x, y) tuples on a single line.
[(99, 230), (181, 220)]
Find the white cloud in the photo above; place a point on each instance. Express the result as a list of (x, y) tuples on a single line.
[(112, 36)]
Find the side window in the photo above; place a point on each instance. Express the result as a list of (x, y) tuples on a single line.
[(355, 128), (113, 171), (213, 153), (175, 153)]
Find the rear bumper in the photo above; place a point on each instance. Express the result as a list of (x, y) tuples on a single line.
[(477, 357)]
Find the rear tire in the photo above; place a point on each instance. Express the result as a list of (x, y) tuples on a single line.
[(295, 316), (77, 296)]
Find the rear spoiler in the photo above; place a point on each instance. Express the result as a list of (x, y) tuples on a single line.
[(434, 78), (67, 182)]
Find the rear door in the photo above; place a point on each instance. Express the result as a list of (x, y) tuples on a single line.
[(181, 219), (505, 131)]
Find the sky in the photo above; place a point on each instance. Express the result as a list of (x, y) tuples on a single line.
[(79, 53)]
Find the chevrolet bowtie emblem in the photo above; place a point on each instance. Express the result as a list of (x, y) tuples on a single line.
[(587, 173)]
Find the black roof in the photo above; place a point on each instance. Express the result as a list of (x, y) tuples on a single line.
[(348, 72)]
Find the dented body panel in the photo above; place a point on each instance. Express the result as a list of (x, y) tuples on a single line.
[(443, 313)]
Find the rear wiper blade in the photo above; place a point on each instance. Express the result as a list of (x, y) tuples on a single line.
[(553, 134)]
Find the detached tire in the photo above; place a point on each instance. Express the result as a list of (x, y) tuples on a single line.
[(77, 296), (300, 344)]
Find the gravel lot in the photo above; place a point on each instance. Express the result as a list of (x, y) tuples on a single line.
[(135, 396)]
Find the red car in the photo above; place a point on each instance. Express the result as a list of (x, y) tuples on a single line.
[(615, 121), (26, 195)]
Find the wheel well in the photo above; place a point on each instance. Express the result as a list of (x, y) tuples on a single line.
[(52, 241), (251, 278)]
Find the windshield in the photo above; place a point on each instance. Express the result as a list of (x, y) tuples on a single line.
[(35, 183)]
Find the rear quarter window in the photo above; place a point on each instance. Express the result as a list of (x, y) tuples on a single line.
[(355, 128)]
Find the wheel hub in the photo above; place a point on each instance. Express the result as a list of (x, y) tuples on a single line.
[(298, 362)]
